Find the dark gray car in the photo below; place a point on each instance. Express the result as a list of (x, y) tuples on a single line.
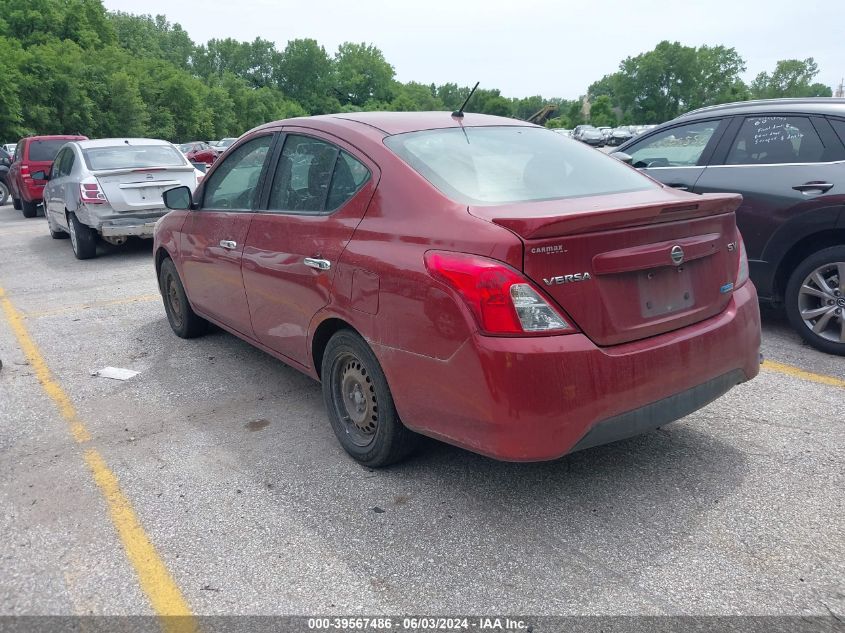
[(787, 159)]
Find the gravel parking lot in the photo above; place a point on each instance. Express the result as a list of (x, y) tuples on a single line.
[(226, 458)]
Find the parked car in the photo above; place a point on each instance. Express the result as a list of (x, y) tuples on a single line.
[(592, 136), (579, 129), (111, 189), (227, 142), (619, 135), (785, 157), (479, 280), (5, 162), (34, 154), (10, 148), (199, 152)]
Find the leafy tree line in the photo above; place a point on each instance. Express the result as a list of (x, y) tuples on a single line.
[(672, 79), (71, 66)]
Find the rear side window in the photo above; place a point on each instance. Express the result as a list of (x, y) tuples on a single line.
[(771, 140), (234, 184), (839, 127), (494, 165), (45, 150), (680, 146)]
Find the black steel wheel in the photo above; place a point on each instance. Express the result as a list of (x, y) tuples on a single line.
[(360, 405), (184, 322)]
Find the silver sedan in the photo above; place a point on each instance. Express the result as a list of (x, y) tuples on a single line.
[(111, 189)]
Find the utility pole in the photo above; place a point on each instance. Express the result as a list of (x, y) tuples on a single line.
[(840, 91)]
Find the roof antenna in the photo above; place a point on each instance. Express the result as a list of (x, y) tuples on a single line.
[(459, 113)]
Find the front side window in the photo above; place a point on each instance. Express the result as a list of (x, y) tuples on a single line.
[(495, 165), (680, 146), (769, 140), (234, 184)]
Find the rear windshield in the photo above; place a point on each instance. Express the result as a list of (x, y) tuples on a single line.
[(494, 165), (132, 157), (45, 150)]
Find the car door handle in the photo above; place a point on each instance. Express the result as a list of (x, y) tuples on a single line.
[(810, 187), (228, 244), (680, 186), (319, 264)]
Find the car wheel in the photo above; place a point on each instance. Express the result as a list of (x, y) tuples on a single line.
[(815, 300), (56, 234), (83, 239), (360, 405), (16, 203), (182, 318), (29, 209), (4, 194)]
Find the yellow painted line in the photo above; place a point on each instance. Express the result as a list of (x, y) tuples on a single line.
[(155, 580), (797, 372), (42, 372), (91, 305)]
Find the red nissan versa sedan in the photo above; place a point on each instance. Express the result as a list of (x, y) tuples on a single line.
[(479, 280)]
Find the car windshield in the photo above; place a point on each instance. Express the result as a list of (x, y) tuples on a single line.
[(494, 165), (132, 157), (186, 147), (45, 150)]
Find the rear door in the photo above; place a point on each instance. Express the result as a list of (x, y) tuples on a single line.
[(213, 235), (785, 167), (319, 192), (676, 156)]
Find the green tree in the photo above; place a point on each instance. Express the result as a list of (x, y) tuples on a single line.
[(601, 112), (791, 78), (362, 74), (11, 113), (559, 122), (414, 96), (125, 112), (305, 73)]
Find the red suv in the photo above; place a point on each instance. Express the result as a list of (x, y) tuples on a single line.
[(476, 279), (33, 154)]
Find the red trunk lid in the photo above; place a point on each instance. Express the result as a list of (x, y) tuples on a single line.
[(607, 260)]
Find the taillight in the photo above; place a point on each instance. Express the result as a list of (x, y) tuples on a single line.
[(90, 192), (25, 170), (742, 267), (500, 298)]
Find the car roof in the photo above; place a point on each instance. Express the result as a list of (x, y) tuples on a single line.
[(400, 122), (114, 142), (810, 105), (54, 137)]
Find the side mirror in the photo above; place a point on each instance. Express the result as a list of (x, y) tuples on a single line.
[(178, 198), (622, 156), (40, 175)]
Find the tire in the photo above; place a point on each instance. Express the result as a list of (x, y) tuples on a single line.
[(815, 300), (83, 239), (16, 203), (184, 322), (29, 209), (55, 234), (4, 194), (360, 405)]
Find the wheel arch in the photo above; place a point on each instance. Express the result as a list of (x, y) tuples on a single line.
[(802, 249), (160, 255), (324, 331)]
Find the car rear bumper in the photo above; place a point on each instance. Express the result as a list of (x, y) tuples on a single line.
[(110, 223), (532, 399)]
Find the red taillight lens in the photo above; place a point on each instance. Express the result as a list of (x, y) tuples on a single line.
[(501, 300), (742, 267), (90, 193), (25, 171)]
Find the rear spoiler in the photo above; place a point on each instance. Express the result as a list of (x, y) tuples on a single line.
[(140, 170), (602, 213)]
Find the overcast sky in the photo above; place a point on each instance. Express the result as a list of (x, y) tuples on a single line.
[(525, 47)]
